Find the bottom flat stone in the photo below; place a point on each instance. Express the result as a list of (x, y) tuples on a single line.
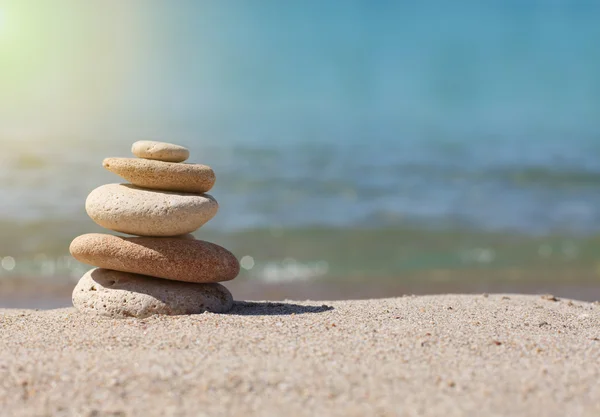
[(121, 294)]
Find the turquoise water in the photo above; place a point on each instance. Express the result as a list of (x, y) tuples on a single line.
[(327, 119), (499, 185), (352, 72)]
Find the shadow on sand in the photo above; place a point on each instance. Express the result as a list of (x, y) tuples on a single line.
[(249, 308)]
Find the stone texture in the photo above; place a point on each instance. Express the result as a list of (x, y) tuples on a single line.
[(167, 176), (169, 258), (160, 151), (136, 211), (122, 294)]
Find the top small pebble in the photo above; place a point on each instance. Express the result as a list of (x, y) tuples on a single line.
[(160, 151)]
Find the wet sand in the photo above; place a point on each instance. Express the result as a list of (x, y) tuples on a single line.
[(30, 294), (431, 355)]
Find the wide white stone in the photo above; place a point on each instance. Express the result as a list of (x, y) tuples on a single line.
[(129, 209)]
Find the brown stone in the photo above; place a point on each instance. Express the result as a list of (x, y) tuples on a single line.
[(164, 176), (169, 258)]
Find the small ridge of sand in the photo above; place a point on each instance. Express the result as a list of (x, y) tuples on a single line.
[(442, 355)]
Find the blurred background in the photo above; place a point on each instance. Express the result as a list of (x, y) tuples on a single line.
[(362, 148)]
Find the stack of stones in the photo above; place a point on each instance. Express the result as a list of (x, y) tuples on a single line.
[(164, 269)]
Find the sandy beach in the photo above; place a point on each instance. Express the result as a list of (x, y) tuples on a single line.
[(428, 356)]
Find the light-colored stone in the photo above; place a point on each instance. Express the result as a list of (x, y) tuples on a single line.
[(122, 294), (161, 151), (167, 176), (169, 258), (136, 211)]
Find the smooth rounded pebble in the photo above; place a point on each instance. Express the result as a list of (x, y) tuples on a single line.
[(158, 175), (122, 294), (136, 211), (169, 258), (160, 151)]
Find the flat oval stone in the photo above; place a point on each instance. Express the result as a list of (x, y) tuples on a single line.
[(136, 211), (158, 175), (122, 294), (169, 258), (160, 151)]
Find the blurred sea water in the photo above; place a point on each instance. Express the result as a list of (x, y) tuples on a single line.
[(365, 142)]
